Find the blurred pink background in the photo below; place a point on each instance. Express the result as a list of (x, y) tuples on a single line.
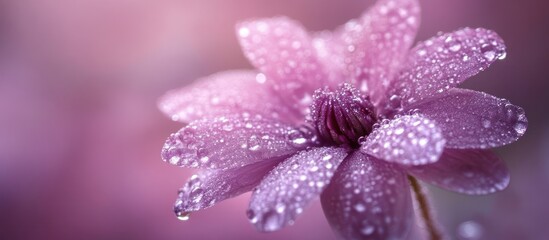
[(80, 134)]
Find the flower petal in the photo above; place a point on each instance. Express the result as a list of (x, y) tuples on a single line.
[(471, 119), (368, 198), (221, 94), (466, 171), (291, 186), (407, 140), (447, 60), (205, 189), (282, 49), (375, 45), (224, 143)]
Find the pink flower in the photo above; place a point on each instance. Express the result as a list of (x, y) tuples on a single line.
[(344, 115)]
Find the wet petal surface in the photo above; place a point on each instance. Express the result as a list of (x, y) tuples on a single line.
[(407, 140), (368, 198), (375, 45), (291, 186), (445, 61), (221, 94), (283, 51), (471, 119), (223, 143), (466, 171), (205, 189)]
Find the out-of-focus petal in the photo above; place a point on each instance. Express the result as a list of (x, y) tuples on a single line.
[(467, 171), (282, 49), (291, 186), (375, 45), (205, 189), (368, 198), (471, 119), (221, 94), (223, 143), (447, 60), (407, 140)]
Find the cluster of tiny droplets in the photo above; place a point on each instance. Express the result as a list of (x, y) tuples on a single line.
[(295, 71), (392, 137), (445, 61), (287, 190), (258, 138), (360, 197), (224, 97), (206, 188), (486, 129)]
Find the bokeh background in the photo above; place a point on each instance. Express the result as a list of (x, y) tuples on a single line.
[(80, 134)]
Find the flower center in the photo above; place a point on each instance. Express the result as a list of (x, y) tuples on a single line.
[(343, 116)]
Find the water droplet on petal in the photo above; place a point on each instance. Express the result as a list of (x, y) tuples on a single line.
[(271, 221), (470, 230), (360, 207), (183, 216), (486, 123), (251, 216), (244, 32), (367, 230)]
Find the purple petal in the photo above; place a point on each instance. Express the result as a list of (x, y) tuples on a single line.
[(471, 119), (445, 61), (291, 186), (205, 189), (407, 140), (375, 45), (282, 49), (368, 199), (465, 171), (223, 143), (221, 94)]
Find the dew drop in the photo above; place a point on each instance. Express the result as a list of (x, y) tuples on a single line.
[(520, 127), (271, 221), (280, 207), (183, 216), (260, 78), (296, 138), (470, 230), (174, 160), (360, 207), (486, 123), (204, 159), (254, 148), (327, 157), (251, 216), (244, 32), (228, 127), (455, 47), (367, 230)]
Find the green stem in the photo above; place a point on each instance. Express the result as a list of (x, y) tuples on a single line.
[(421, 197)]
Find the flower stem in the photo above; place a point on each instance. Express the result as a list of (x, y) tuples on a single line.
[(421, 197)]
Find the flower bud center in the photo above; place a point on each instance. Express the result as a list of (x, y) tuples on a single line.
[(343, 116)]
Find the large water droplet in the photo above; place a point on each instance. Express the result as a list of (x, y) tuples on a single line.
[(296, 138), (520, 127), (183, 216), (271, 221)]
